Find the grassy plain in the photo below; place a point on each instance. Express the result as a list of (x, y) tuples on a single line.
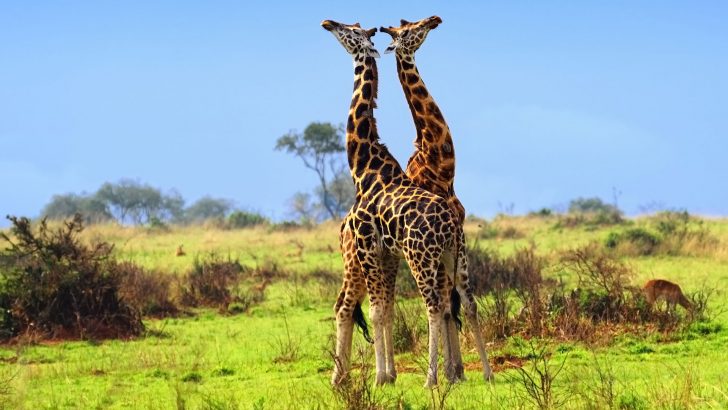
[(276, 356)]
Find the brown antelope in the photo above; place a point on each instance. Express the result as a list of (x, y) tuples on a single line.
[(656, 289), (180, 251)]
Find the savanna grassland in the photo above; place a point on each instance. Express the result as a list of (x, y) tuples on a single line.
[(274, 351)]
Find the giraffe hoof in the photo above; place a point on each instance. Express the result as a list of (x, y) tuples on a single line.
[(383, 378)]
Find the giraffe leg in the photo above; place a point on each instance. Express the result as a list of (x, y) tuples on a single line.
[(430, 285), (434, 319), (445, 335), (352, 293), (377, 314), (369, 257), (470, 309), (391, 265)]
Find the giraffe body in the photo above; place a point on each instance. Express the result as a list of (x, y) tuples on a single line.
[(391, 216)]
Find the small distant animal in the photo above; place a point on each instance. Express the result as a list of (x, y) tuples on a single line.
[(180, 251), (656, 289)]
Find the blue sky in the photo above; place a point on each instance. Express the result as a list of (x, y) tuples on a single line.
[(547, 101)]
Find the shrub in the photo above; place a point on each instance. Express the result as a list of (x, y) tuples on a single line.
[(542, 213), (590, 205), (591, 212), (488, 271), (527, 267), (683, 234), (602, 281), (288, 226), (492, 231), (225, 284), (149, 292), (52, 285), (245, 219), (634, 241), (211, 281)]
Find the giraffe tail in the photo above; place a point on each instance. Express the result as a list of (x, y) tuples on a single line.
[(360, 321), (455, 307)]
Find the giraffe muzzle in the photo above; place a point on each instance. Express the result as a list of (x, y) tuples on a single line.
[(329, 25)]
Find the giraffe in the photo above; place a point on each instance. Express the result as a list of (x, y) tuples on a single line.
[(390, 216), (432, 164)]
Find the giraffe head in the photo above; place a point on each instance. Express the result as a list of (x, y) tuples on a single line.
[(408, 37), (355, 39)]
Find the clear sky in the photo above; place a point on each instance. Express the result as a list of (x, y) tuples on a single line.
[(546, 101)]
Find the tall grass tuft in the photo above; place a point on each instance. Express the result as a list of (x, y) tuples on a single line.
[(538, 383)]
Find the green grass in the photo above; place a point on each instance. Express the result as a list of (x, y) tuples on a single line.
[(214, 361)]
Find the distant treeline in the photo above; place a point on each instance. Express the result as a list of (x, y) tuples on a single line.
[(133, 202)]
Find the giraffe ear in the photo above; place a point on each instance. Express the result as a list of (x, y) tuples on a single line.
[(356, 24), (404, 22), (371, 32)]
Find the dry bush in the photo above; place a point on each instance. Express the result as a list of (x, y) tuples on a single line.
[(527, 267), (602, 282), (54, 286), (500, 277), (603, 304), (218, 282), (210, 282), (567, 319), (498, 230), (149, 291), (495, 316), (488, 271)]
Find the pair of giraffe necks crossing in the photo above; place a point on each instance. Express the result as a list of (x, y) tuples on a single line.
[(416, 213)]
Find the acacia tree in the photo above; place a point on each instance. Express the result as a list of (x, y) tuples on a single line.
[(64, 206), (320, 147), (132, 200), (208, 208)]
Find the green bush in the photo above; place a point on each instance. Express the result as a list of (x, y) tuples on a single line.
[(631, 401), (636, 241), (590, 212), (245, 219)]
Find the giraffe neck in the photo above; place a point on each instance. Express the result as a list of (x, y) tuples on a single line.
[(370, 162), (432, 165)]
